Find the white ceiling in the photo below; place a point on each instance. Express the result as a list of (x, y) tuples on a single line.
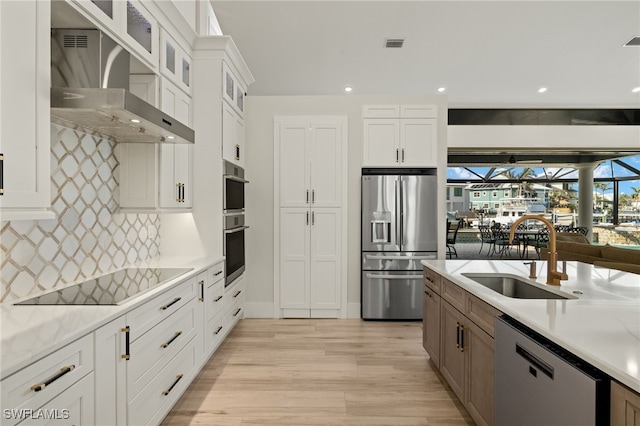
[(486, 53)]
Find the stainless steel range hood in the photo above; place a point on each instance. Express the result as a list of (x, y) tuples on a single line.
[(90, 79)]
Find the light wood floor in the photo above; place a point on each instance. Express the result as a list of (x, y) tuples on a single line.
[(319, 372)]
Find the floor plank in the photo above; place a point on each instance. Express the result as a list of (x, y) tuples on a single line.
[(320, 372)]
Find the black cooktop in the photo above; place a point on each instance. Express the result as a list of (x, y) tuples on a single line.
[(111, 289)]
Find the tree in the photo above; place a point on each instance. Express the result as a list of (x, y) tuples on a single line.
[(636, 196), (603, 186)]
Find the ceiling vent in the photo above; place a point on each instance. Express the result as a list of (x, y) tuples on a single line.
[(394, 42), (635, 41)]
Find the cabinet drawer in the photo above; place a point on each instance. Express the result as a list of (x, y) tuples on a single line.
[(141, 319), (214, 332), (33, 386), (150, 353), (215, 273), (431, 280), (235, 309), (418, 111), (155, 400), (215, 300), (453, 294), (481, 313), (381, 111)]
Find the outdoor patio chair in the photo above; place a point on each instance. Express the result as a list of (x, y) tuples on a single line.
[(486, 236), (452, 235)]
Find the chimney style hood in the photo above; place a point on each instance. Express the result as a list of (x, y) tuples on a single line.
[(90, 79)]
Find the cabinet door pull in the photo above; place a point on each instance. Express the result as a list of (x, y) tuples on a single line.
[(461, 338), (458, 335), (175, 336), (397, 155), (307, 218), (238, 293), (178, 377), (218, 299), (63, 371), (127, 343), (237, 152), (313, 218), (167, 306), (177, 192), (218, 330), (201, 298), (1, 174), (307, 197), (403, 155), (313, 196), (237, 312)]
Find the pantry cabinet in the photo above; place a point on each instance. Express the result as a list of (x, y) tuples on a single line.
[(310, 262), (232, 136), (399, 136), (310, 162), (464, 325), (25, 130), (310, 195)]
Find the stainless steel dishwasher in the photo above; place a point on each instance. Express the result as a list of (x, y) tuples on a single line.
[(540, 383)]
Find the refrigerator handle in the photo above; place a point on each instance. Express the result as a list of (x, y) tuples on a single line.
[(398, 220), (401, 217)]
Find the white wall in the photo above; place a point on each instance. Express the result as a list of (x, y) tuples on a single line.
[(259, 131)]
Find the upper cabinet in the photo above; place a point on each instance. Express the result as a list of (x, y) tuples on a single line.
[(25, 132), (400, 136), (175, 63), (233, 90)]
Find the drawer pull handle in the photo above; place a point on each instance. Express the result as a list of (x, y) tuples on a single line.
[(461, 338), (175, 336), (178, 377), (218, 330), (176, 300), (427, 293), (217, 273), (218, 299), (127, 343), (237, 312), (63, 371), (458, 335), (238, 293), (201, 298)]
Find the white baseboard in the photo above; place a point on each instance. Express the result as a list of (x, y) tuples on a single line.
[(258, 310), (353, 310)]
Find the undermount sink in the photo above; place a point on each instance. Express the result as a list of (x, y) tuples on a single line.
[(515, 287)]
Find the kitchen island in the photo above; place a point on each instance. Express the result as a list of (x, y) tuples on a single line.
[(599, 322)]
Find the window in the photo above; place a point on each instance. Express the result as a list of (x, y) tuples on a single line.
[(496, 206), (457, 192), (506, 193), (484, 193), (495, 194), (476, 195)]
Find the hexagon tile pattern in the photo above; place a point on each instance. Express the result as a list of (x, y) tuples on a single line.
[(88, 238)]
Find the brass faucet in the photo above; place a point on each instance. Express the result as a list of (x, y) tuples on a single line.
[(553, 275)]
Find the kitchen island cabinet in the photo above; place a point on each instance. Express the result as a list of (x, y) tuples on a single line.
[(465, 351), (597, 322)]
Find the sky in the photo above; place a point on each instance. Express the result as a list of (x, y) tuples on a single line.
[(604, 170)]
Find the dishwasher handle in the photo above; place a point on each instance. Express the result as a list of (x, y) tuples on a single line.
[(535, 361)]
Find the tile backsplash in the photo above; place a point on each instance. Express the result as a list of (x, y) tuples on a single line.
[(88, 238)]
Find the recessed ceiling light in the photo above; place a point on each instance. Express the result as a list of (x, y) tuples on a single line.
[(134, 120), (636, 90), (171, 137), (441, 89), (348, 89), (542, 90)]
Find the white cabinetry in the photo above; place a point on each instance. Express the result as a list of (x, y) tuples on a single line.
[(175, 63), (111, 374), (232, 117), (24, 110), (157, 177), (60, 384), (399, 136), (310, 173)]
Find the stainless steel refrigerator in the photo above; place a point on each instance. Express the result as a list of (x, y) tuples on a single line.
[(399, 229)]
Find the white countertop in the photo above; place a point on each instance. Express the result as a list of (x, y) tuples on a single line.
[(601, 326), (29, 332)]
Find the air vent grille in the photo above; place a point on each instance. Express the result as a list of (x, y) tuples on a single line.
[(72, 40), (635, 41), (394, 42)]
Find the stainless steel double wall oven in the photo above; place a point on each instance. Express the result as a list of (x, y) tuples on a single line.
[(234, 223)]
